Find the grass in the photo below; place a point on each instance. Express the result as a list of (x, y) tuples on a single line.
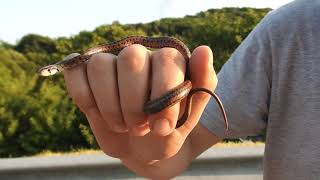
[(72, 153), (90, 151), (239, 144)]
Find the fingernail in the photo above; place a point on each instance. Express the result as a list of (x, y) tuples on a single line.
[(120, 128), (161, 127), (140, 130)]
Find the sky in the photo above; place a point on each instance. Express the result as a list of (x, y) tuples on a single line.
[(58, 18)]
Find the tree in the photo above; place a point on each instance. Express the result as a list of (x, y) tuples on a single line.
[(36, 113), (36, 43)]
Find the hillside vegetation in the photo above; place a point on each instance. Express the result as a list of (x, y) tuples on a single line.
[(35, 112)]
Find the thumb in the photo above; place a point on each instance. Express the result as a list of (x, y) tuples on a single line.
[(202, 75)]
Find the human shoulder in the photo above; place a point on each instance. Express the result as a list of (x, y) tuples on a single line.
[(293, 15)]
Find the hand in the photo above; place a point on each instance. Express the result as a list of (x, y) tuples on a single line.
[(111, 91)]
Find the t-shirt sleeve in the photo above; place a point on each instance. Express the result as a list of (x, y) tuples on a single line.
[(244, 84)]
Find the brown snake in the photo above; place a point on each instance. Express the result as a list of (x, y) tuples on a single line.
[(168, 99)]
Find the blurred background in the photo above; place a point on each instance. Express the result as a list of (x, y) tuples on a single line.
[(36, 114)]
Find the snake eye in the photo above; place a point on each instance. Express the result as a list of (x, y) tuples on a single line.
[(48, 70), (52, 70)]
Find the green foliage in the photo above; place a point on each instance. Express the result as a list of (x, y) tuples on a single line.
[(36, 43), (36, 114)]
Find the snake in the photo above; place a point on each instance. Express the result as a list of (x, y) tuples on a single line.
[(173, 96)]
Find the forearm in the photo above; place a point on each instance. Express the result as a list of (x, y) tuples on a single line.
[(200, 140)]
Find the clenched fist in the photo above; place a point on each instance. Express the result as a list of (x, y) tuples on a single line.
[(112, 90)]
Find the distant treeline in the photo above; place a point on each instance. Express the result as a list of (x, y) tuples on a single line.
[(36, 114)]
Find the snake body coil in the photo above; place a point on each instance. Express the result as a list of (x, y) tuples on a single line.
[(170, 98)]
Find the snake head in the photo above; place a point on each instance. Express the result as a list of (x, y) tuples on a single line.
[(48, 70)]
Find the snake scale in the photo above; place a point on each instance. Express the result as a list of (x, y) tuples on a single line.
[(153, 106)]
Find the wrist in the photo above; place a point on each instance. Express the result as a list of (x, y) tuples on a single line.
[(200, 140)]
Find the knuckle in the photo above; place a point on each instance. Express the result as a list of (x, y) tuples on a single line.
[(132, 50), (167, 56), (99, 61), (133, 57)]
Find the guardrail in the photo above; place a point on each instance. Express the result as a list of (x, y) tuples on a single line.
[(232, 163)]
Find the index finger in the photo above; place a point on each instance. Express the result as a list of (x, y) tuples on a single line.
[(78, 87)]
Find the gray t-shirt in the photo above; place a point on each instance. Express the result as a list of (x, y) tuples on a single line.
[(271, 84)]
